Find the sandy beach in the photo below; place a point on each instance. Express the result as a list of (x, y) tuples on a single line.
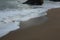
[(48, 30)]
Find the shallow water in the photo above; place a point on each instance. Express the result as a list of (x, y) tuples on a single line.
[(26, 12)]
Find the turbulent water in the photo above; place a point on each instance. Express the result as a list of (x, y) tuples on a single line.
[(12, 4), (9, 9)]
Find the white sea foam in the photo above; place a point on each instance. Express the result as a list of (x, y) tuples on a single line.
[(21, 13)]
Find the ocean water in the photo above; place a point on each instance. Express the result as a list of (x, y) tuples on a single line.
[(15, 11), (12, 4)]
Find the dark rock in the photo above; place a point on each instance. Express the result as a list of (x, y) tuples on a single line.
[(34, 2), (55, 0)]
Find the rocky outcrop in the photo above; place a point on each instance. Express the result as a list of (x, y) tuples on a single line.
[(34, 2), (54, 0)]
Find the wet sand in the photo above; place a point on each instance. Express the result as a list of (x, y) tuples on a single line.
[(45, 29)]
